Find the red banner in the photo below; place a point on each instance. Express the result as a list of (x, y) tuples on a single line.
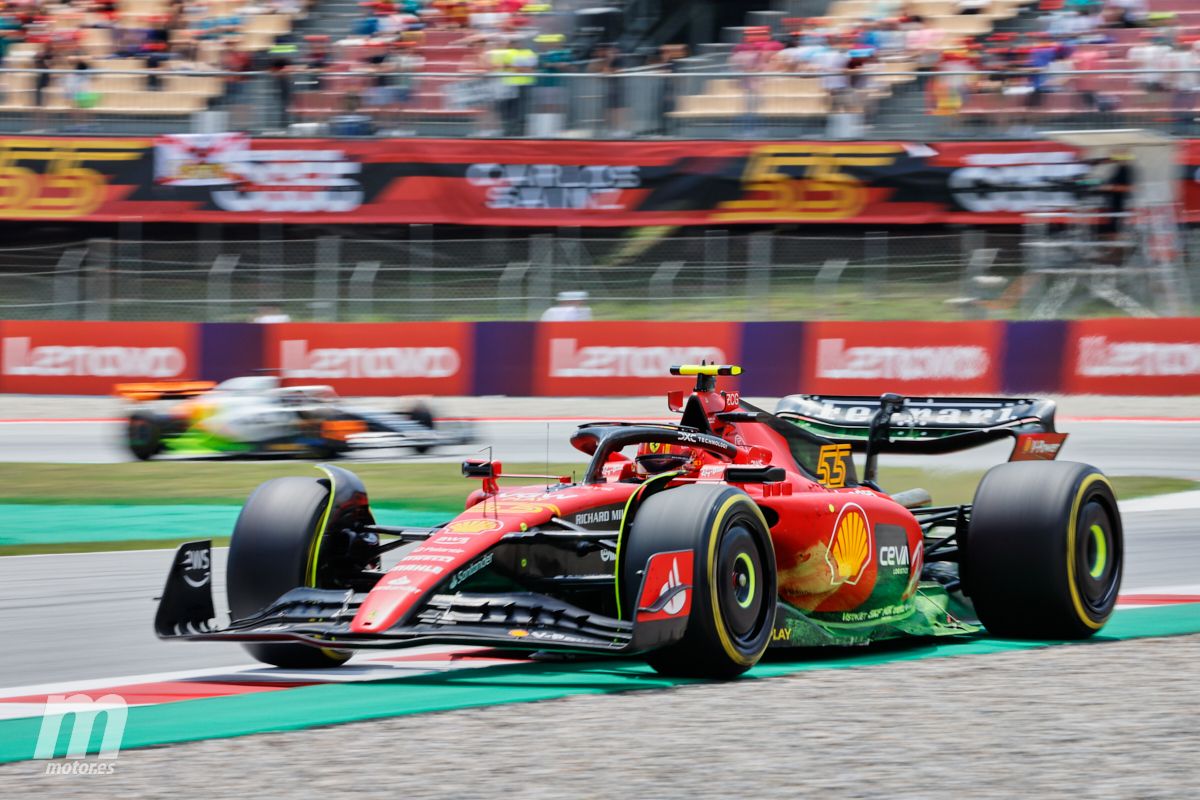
[(1132, 356), (233, 178), (954, 358), (374, 358), (621, 358), (90, 357)]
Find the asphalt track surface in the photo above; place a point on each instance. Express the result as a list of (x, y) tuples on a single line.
[(82, 616), (1150, 447), (76, 616)]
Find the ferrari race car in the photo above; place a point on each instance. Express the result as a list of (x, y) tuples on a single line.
[(258, 416), (695, 545)]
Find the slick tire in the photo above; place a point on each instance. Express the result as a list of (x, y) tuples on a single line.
[(734, 588), (271, 552), (422, 415), (144, 434), (1044, 550)]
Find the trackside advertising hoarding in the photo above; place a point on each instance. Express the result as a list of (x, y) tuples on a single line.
[(908, 357), (1132, 356), (233, 178), (385, 358), (598, 359), (623, 358), (90, 357)]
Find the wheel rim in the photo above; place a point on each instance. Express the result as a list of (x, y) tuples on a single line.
[(139, 432), (740, 583), (1097, 556)]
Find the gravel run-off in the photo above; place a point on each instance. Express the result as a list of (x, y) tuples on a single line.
[(1101, 720)]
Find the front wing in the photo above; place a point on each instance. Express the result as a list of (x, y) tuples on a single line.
[(321, 617)]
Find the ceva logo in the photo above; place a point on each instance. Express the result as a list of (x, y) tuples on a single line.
[(22, 358), (603, 361), (298, 361), (958, 362)]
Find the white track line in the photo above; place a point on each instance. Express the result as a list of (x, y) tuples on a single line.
[(1176, 501), (244, 672)]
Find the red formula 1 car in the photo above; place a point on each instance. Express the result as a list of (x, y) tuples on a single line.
[(694, 545)]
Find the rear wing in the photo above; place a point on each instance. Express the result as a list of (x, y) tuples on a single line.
[(162, 390), (931, 425)]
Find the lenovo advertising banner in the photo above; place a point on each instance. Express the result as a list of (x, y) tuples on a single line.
[(90, 357), (1132, 356), (369, 358), (233, 178), (623, 358), (956, 358)]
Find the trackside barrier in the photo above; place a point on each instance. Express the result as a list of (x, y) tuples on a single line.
[(1096, 356), (233, 178)]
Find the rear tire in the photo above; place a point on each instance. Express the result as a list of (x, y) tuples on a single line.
[(1044, 551), (734, 579), (272, 552), (144, 435)]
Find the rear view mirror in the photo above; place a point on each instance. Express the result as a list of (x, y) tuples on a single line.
[(474, 468)]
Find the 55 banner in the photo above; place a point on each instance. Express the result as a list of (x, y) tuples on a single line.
[(230, 177)]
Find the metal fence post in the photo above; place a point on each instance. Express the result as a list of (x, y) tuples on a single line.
[(66, 283), (716, 259), (570, 247), (758, 275), (827, 278), (362, 288), (970, 240), (875, 256), (541, 282), (129, 258), (509, 288), (662, 282), (220, 280), (208, 241), (325, 278), (421, 265), (270, 277), (98, 295)]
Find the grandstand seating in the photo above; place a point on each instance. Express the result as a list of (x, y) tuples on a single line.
[(258, 25), (784, 101), (95, 37)]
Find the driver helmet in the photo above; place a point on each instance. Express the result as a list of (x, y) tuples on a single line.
[(654, 458)]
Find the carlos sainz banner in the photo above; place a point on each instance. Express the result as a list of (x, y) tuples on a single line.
[(233, 178)]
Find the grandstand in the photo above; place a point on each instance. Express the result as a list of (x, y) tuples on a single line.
[(487, 67)]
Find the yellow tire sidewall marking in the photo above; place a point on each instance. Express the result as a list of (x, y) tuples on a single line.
[(1072, 532), (718, 622)]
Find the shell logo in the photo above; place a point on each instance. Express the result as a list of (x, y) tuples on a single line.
[(850, 547), (473, 526)]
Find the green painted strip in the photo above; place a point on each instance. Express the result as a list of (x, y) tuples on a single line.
[(32, 524), (330, 704)]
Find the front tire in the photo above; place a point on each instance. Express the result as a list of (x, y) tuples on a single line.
[(144, 435), (733, 582), (272, 551), (1044, 550)]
